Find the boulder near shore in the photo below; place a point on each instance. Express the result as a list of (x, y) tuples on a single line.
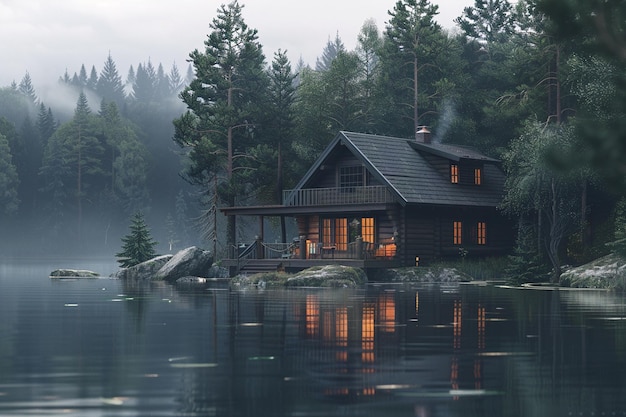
[(184, 266), (73, 273)]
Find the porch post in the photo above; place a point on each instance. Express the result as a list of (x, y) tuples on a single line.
[(303, 247), (359, 247), (260, 252), (261, 228), (259, 248)]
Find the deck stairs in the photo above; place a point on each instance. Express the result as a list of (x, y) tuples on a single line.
[(258, 266)]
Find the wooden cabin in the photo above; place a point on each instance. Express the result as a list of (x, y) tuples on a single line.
[(377, 201)]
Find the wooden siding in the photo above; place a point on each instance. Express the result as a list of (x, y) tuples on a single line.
[(421, 235)]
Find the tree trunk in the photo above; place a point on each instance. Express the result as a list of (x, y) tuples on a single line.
[(416, 122), (279, 192), (556, 235)]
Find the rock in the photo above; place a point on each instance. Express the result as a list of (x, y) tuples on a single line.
[(144, 271), (188, 262), (218, 272), (328, 276), (73, 273), (192, 281), (422, 274), (607, 272)]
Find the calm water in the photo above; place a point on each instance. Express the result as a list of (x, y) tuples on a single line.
[(98, 348)]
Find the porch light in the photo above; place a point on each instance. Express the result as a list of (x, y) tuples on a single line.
[(417, 261)]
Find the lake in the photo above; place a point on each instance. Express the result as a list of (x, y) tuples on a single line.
[(98, 347)]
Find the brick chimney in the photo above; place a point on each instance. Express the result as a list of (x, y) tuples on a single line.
[(423, 135)]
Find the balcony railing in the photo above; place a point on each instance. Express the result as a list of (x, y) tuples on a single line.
[(337, 196)]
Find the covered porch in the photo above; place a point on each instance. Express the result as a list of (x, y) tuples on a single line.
[(320, 214)]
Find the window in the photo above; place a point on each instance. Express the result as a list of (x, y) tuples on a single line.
[(457, 233), (454, 173), (481, 235), (335, 233), (477, 176), (367, 229), (351, 176)]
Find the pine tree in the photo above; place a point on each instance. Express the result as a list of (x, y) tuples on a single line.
[(330, 52), (225, 103), (26, 88), (110, 86), (138, 245), (9, 182)]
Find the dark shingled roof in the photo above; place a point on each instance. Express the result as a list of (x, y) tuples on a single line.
[(399, 163)]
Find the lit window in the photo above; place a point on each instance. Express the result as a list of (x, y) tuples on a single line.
[(481, 235), (367, 229), (457, 233), (454, 174), (477, 176), (335, 233)]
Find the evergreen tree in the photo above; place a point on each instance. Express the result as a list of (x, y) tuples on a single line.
[(9, 181), (27, 89), (131, 77), (144, 85), (412, 45), (82, 77), (76, 152), (225, 102), (92, 83), (162, 84), (138, 246), (29, 164), (487, 20), (176, 81), (46, 124), (330, 52), (110, 86), (368, 47)]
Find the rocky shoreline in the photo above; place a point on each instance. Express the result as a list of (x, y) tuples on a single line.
[(607, 272), (194, 266)]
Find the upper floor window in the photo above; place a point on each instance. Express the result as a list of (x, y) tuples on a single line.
[(454, 173), (351, 176), (478, 176)]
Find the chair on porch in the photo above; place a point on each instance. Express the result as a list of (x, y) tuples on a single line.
[(369, 250)]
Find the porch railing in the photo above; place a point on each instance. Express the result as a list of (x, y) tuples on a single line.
[(313, 250), (337, 196)]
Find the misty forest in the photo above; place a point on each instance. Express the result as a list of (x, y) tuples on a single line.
[(538, 85)]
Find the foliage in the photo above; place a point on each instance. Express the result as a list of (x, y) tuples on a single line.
[(533, 185), (596, 27), (412, 45), (526, 263), (9, 180), (138, 245), (225, 103), (618, 246), (254, 128)]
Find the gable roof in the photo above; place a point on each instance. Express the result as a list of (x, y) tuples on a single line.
[(399, 163)]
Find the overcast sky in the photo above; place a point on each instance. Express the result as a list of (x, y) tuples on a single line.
[(48, 37)]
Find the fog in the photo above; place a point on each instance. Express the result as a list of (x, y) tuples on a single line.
[(57, 215)]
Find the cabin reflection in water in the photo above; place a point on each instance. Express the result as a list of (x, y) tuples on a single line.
[(358, 345)]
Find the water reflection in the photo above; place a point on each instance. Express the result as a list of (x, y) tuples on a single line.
[(105, 348)]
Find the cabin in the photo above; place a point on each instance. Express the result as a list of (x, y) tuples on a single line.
[(377, 202)]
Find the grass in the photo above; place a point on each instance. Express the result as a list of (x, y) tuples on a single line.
[(486, 269)]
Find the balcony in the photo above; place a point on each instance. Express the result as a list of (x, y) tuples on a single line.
[(375, 194)]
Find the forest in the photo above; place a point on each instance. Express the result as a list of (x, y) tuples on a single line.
[(538, 84)]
